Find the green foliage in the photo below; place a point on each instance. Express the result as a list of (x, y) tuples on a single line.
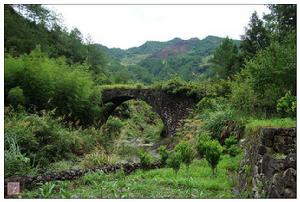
[(174, 161), (155, 183), (27, 26), (231, 146), (47, 190), (243, 97), (91, 177), (60, 166), (256, 37), (15, 163), (98, 158), (44, 139), (16, 97), (63, 190), (145, 158), (286, 105), (213, 153), (51, 83), (202, 140), (164, 154), (185, 149), (226, 59), (266, 77), (218, 120), (282, 20), (231, 140), (113, 126)]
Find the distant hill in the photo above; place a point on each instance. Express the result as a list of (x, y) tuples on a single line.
[(160, 60)]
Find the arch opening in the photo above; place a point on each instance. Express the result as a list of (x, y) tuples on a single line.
[(140, 127)]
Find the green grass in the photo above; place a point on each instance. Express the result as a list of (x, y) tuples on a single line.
[(124, 86), (197, 182), (254, 125)]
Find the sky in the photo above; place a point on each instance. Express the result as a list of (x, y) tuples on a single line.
[(126, 26)]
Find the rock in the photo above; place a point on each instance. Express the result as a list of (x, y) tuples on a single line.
[(262, 150), (272, 155), (267, 136), (289, 193), (289, 177)]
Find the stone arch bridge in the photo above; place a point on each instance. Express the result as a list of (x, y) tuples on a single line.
[(172, 109)]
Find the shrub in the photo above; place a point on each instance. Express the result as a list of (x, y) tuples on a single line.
[(43, 139), (15, 163), (286, 105), (185, 149), (16, 97), (92, 177), (243, 97), (164, 154), (49, 83), (233, 150), (231, 140), (203, 139), (217, 121), (213, 153), (174, 161), (145, 158), (231, 146), (47, 190), (98, 158), (113, 126)]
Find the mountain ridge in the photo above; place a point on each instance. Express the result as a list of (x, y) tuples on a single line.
[(188, 58)]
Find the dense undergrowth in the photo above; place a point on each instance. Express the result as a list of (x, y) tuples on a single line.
[(160, 183)]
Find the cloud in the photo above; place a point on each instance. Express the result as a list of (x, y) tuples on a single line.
[(128, 26)]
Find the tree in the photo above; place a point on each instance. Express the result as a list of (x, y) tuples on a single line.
[(226, 59), (95, 58), (186, 152), (202, 141), (281, 20), (213, 153), (255, 38)]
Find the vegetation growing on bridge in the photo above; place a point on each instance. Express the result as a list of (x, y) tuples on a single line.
[(53, 109)]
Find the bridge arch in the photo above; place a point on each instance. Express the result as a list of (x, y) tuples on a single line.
[(172, 109)]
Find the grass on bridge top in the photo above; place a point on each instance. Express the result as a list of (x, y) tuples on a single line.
[(125, 86)]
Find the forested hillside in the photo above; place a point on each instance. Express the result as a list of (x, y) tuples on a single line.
[(155, 60), (54, 106)]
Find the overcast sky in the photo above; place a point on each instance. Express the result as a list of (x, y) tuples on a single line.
[(129, 26)]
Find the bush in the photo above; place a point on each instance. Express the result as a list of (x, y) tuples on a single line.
[(164, 154), (213, 153), (203, 139), (15, 163), (47, 190), (49, 83), (98, 158), (43, 139), (174, 161), (16, 97), (113, 125), (217, 121), (185, 149), (231, 140), (145, 158), (233, 150), (243, 97), (231, 146), (287, 105)]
